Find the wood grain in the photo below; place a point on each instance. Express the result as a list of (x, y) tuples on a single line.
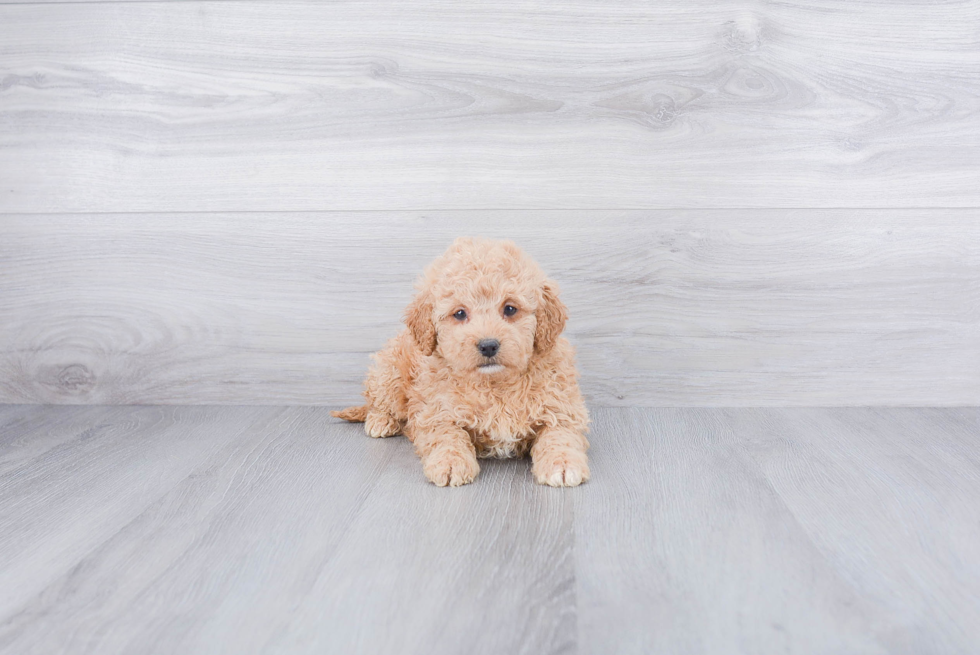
[(890, 499), (693, 307), (488, 570), (95, 478), (435, 104), (281, 530), (26, 432), (796, 530), (297, 535)]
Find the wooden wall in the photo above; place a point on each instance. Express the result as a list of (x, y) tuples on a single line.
[(746, 203)]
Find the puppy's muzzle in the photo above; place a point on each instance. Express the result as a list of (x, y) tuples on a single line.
[(488, 347)]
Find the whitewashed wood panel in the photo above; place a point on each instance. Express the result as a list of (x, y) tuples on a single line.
[(896, 487), (698, 553), (243, 530), (298, 535), (672, 307), (91, 478), (425, 104), (489, 570), (780, 531)]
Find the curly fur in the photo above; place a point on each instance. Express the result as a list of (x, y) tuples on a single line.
[(432, 384)]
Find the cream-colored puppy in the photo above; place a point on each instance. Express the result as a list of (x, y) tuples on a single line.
[(481, 371)]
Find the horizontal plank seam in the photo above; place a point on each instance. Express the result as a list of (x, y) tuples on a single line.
[(473, 209)]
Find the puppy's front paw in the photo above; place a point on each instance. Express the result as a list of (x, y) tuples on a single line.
[(379, 424), (447, 467), (561, 468)]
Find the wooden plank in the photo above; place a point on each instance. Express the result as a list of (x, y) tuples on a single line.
[(29, 431), (890, 499), (60, 505), (303, 535), (488, 569), (247, 530), (692, 307), (245, 106), (802, 530)]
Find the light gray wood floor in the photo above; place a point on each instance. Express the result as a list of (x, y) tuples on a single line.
[(279, 530)]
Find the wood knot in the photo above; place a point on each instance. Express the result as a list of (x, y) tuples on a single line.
[(76, 379), (663, 110), (744, 34)]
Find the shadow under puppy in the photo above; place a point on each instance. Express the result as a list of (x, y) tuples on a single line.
[(481, 371)]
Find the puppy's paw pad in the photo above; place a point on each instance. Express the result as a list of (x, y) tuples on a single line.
[(451, 469), (379, 424), (562, 470)]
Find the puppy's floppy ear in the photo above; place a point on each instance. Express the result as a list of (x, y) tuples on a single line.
[(418, 318), (551, 316)]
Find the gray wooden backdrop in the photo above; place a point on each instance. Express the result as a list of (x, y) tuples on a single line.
[(746, 202)]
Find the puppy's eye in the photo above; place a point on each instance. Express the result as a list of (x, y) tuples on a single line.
[(509, 310), (460, 315)]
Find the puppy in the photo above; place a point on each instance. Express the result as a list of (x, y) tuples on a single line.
[(481, 371)]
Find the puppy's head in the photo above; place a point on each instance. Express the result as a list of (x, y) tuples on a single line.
[(486, 308)]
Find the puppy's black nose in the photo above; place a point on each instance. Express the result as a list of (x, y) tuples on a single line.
[(488, 347)]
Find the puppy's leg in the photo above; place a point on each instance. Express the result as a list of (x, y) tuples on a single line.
[(448, 455), (385, 392), (382, 419), (559, 458), (381, 424)]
